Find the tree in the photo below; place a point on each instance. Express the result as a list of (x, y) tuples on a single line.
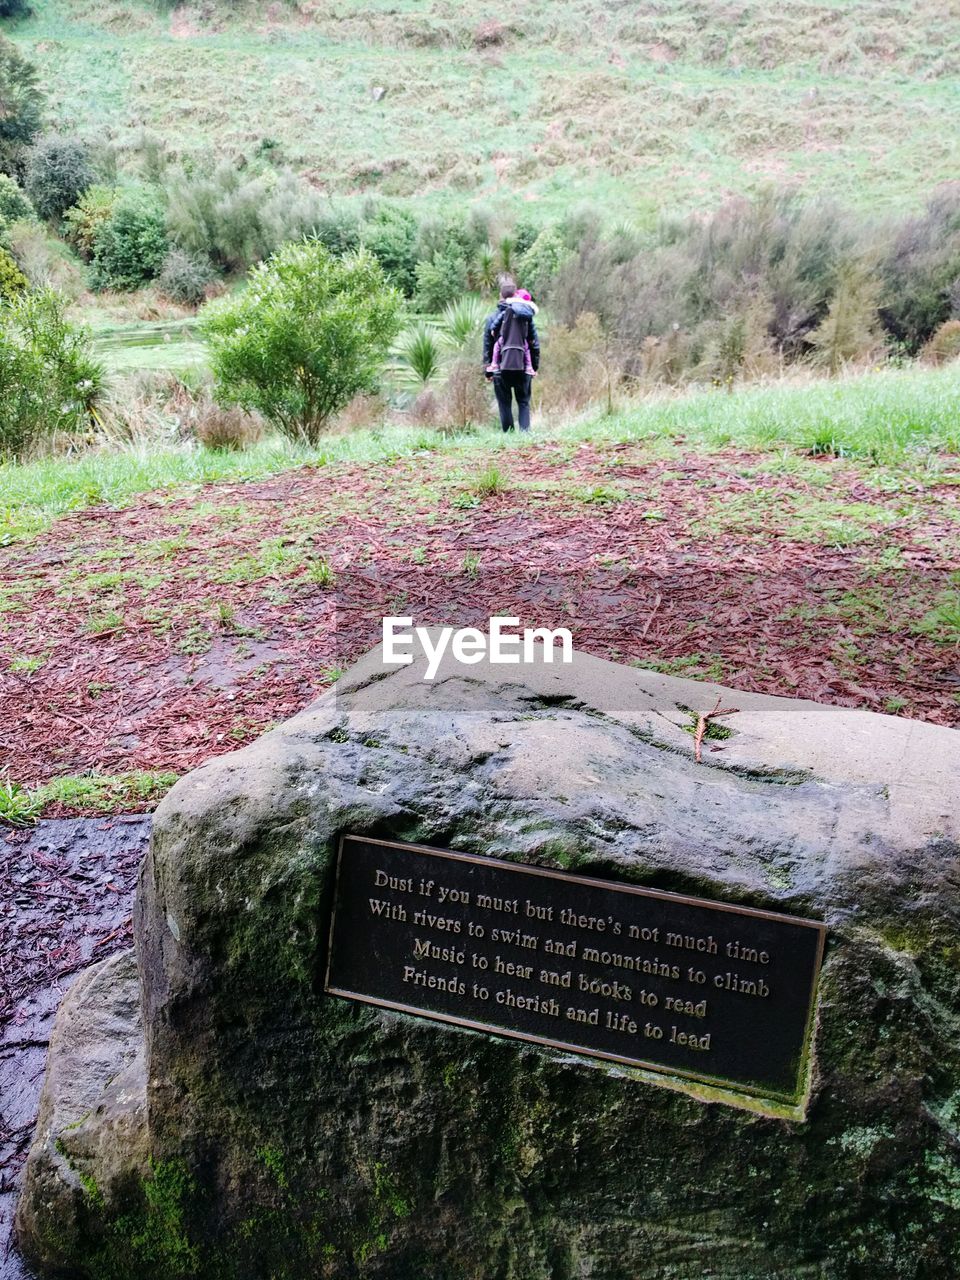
[(308, 334), (58, 173), (49, 380), (21, 105)]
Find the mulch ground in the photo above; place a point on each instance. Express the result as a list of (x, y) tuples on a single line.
[(178, 628)]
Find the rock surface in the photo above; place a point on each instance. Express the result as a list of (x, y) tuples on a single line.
[(278, 1132)]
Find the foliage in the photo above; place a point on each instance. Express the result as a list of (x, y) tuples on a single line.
[(131, 243), (462, 322), (59, 171), (14, 204), (391, 236), (466, 398), (49, 381), (235, 218), (12, 280), (309, 333), (18, 807), (14, 9), (573, 355), (420, 355), (542, 261), (921, 271), (338, 230), (185, 276), (851, 328), (440, 280), (82, 223), (23, 103)]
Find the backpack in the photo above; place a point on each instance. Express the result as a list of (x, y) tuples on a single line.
[(514, 330)]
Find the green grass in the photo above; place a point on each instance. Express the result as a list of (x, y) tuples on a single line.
[(641, 107), (94, 792), (902, 419)]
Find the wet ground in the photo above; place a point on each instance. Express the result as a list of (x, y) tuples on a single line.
[(66, 893)]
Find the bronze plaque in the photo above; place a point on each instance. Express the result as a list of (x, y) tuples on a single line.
[(706, 990)]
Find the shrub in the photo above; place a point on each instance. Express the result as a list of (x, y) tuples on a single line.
[(462, 322), (237, 219), (309, 333), (82, 223), (541, 262), (466, 396), (419, 355), (12, 280), (23, 103), (49, 381), (218, 214), (391, 236), (14, 205), (921, 270), (227, 429), (363, 412), (850, 329), (425, 410), (185, 276), (58, 173), (14, 9), (339, 231), (440, 280), (944, 346), (574, 356), (131, 244)]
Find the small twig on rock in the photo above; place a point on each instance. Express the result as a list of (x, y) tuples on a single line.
[(702, 721)]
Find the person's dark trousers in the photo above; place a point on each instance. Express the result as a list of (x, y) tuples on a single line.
[(506, 385)]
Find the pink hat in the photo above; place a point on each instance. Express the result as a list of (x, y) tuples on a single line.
[(522, 293)]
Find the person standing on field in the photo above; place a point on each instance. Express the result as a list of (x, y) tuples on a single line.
[(512, 325)]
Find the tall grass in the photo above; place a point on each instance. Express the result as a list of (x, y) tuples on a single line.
[(894, 416), (897, 418)]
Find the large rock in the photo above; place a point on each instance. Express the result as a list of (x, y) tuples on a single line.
[(279, 1132)]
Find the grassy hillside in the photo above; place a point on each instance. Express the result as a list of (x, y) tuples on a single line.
[(646, 105)]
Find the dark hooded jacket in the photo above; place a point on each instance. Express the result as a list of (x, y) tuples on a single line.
[(491, 329)]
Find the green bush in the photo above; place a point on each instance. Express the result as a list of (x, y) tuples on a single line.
[(14, 205), (83, 222), (441, 280), (49, 380), (339, 231), (236, 218), (391, 236), (14, 9), (541, 262), (309, 333), (12, 280), (131, 244), (921, 270), (185, 276), (23, 103), (59, 171)]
